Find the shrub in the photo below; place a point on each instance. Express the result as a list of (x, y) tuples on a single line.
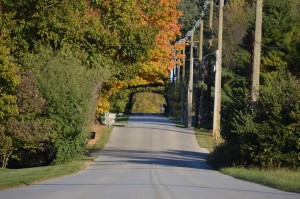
[(68, 87), (269, 135)]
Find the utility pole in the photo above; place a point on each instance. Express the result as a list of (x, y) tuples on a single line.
[(211, 15), (217, 104), (209, 69), (201, 75), (182, 88), (201, 42), (174, 76), (190, 86), (178, 72), (257, 52)]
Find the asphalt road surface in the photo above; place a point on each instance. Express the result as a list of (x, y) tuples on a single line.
[(149, 158)]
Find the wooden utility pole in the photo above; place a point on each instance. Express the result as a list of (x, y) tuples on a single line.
[(257, 52), (190, 87), (182, 88), (174, 76), (201, 42), (208, 96), (217, 104), (178, 72), (211, 15), (201, 76)]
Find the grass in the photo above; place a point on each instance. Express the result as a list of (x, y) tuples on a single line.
[(105, 133), (103, 139), (284, 179), (10, 178), (205, 139)]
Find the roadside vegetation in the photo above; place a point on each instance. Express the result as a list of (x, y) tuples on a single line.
[(281, 178), (103, 134), (263, 135), (10, 178), (284, 179), (205, 139), (63, 64)]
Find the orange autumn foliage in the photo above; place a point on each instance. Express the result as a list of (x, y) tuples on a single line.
[(160, 58)]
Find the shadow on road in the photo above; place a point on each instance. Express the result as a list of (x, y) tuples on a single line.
[(168, 158), (117, 157), (151, 118)]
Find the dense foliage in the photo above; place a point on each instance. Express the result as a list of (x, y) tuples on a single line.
[(148, 103), (8, 101), (54, 55), (157, 17), (266, 135)]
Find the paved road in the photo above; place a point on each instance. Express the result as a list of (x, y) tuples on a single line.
[(150, 158)]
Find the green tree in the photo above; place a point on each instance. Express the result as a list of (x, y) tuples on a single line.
[(191, 13), (280, 36), (9, 81), (29, 130), (267, 136), (68, 87)]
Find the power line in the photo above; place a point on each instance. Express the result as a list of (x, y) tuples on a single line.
[(189, 33)]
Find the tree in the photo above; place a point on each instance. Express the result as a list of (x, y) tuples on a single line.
[(9, 81), (68, 87), (267, 136), (161, 18), (191, 10), (6, 147), (29, 131), (281, 36)]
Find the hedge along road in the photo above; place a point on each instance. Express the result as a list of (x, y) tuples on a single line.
[(149, 158)]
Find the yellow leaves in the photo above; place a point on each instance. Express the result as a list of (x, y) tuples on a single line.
[(102, 105)]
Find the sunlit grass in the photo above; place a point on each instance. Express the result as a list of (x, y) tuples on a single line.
[(17, 177), (205, 139), (284, 179), (104, 136)]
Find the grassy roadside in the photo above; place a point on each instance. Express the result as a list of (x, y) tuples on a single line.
[(205, 139), (10, 178), (283, 179), (102, 140)]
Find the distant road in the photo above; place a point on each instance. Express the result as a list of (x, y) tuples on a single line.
[(150, 158)]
